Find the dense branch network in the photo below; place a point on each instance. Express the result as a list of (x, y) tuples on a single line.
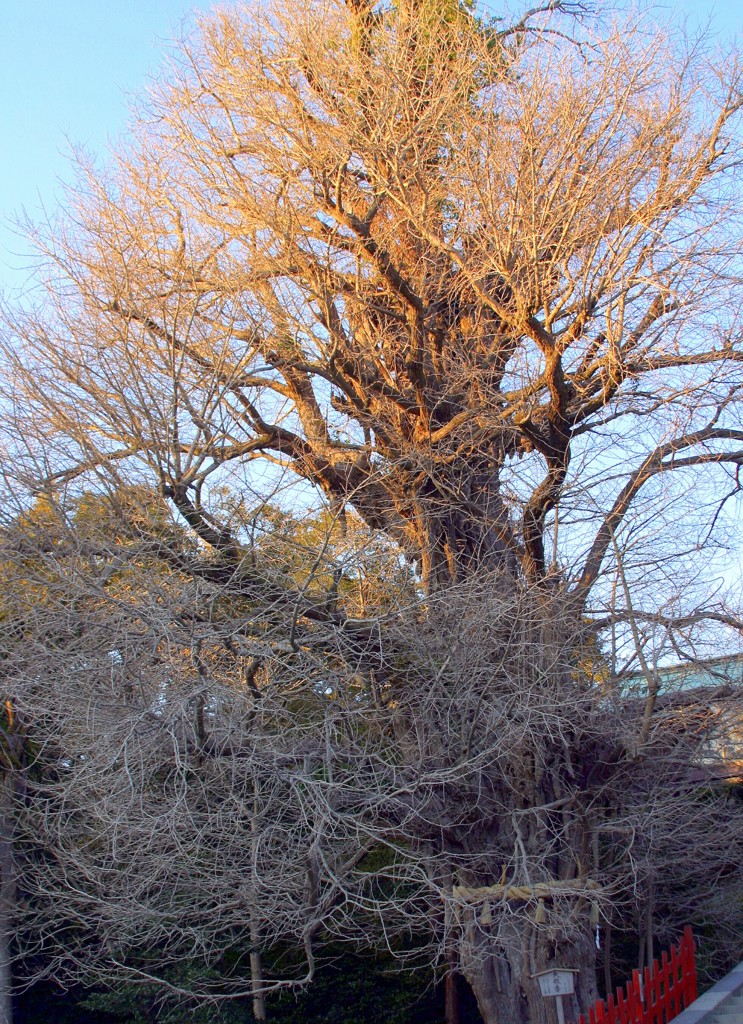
[(474, 286), (403, 288)]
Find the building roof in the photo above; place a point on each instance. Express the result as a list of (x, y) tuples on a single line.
[(724, 671)]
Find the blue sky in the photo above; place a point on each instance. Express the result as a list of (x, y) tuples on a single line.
[(67, 68)]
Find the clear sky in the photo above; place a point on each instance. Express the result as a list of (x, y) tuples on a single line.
[(67, 67)]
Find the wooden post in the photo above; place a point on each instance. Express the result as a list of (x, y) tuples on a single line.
[(256, 965), (7, 896)]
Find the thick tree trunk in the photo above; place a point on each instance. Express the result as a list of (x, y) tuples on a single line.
[(458, 539), (502, 972)]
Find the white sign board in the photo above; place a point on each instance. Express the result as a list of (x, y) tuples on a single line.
[(560, 982)]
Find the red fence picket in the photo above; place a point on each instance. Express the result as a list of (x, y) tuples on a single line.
[(656, 996)]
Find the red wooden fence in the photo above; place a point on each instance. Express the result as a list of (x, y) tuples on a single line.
[(656, 996)]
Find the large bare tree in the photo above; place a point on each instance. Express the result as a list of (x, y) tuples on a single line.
[(476, 288)]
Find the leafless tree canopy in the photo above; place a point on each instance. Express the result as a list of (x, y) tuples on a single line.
[(473, 288)]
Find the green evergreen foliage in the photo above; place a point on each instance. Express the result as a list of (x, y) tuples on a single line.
[(352, 989)]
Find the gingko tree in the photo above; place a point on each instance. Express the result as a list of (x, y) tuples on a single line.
[(472, 285)]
